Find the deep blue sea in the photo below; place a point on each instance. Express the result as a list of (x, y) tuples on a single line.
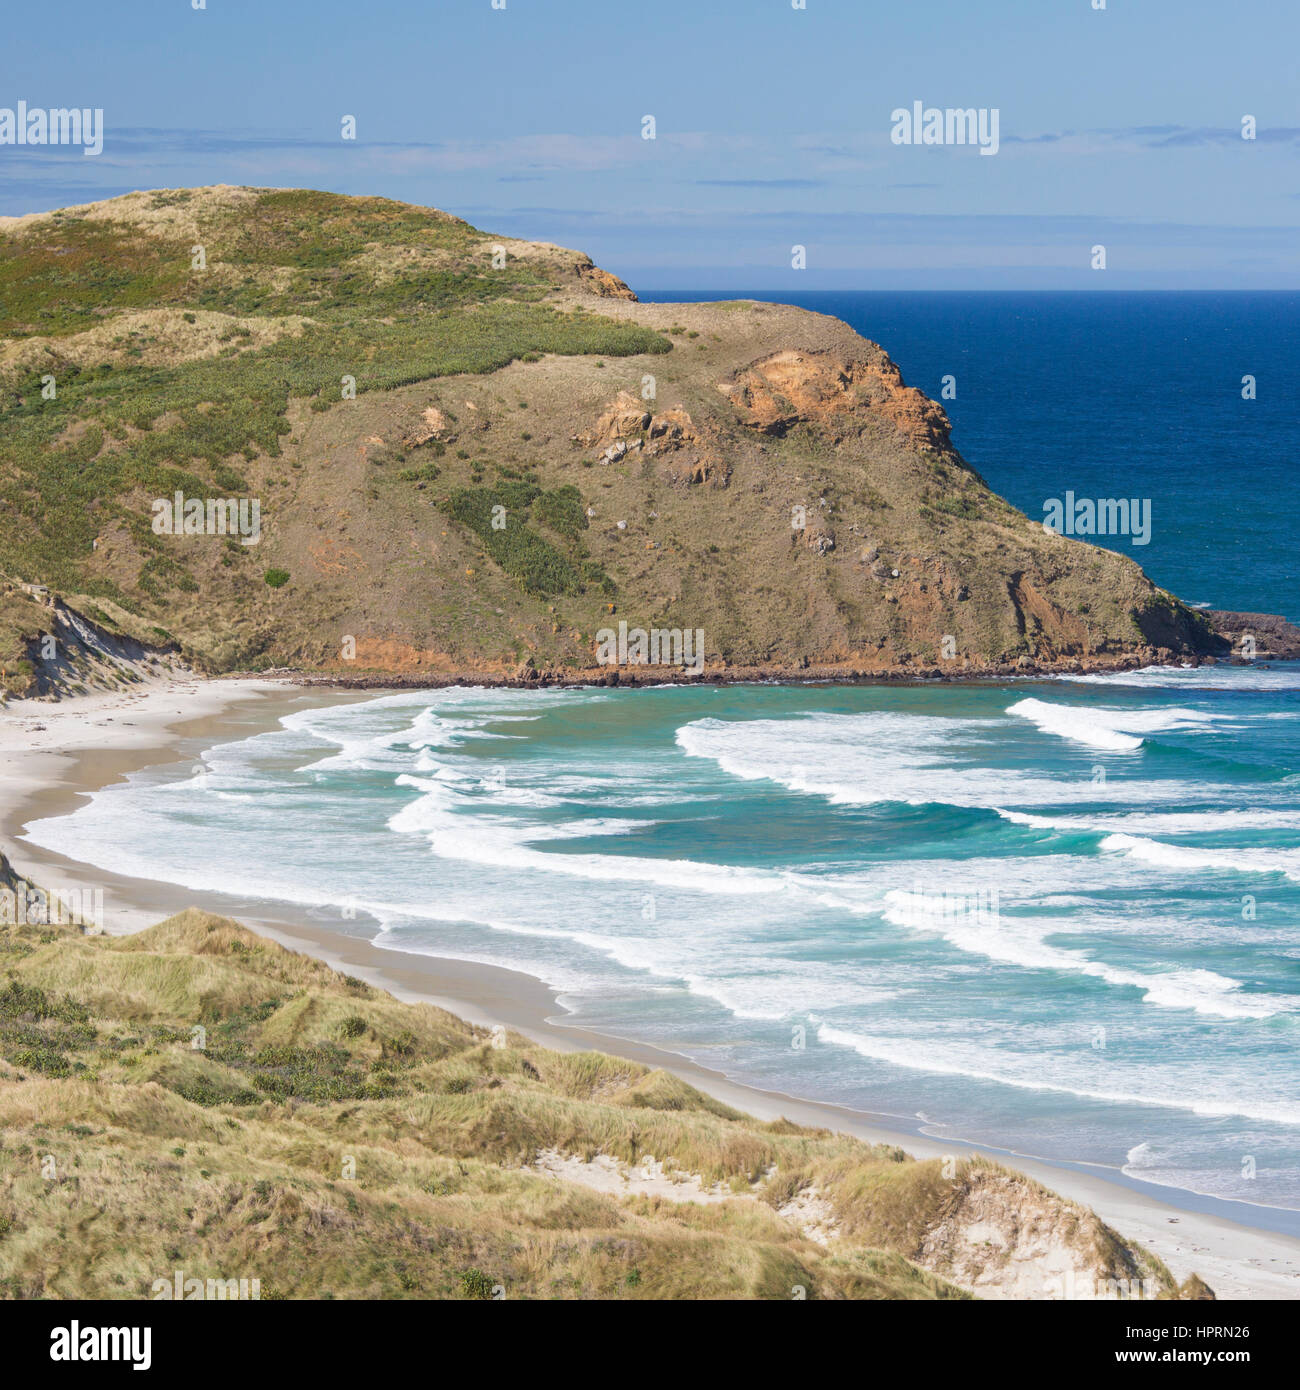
[(1060, 917)]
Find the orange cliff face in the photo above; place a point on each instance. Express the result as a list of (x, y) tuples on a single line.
[(830, 389)]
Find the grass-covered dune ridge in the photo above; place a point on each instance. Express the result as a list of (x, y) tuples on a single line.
[(196, 1097), (375, 374)]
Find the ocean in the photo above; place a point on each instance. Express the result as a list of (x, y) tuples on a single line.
[(1059, 917)]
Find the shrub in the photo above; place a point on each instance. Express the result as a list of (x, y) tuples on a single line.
[(476, 1284), (537, 565)]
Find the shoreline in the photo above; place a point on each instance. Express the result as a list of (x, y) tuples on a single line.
[(53, 756), (631, 677)]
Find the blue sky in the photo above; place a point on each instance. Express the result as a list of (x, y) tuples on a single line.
[(1118, 126)]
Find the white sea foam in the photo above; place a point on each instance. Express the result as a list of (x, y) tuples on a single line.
[(1115, 730), (1163, 1166), (1282, 676), (505, 843), (1162, 822), (1180, 1090), (868, 759), (964, 921), (1188, 859)]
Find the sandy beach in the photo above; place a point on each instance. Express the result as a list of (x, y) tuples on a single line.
[(52, 755)]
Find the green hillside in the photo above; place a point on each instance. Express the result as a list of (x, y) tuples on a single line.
[(380, 377)]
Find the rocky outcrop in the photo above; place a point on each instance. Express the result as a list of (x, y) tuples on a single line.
[(1257, 634), (839, 393), (684, 456), (431, 426), (626, 417), (602, 284), (820, 540), (1055, 631)]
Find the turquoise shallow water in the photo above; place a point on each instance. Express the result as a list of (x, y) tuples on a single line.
[(1059, 917)]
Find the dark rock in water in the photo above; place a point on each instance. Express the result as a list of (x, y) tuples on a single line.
[(1258, 634)]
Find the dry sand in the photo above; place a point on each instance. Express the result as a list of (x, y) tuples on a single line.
[(54, 755)]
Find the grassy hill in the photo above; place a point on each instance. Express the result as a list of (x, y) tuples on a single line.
[(472, 453), (332, 1142)]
